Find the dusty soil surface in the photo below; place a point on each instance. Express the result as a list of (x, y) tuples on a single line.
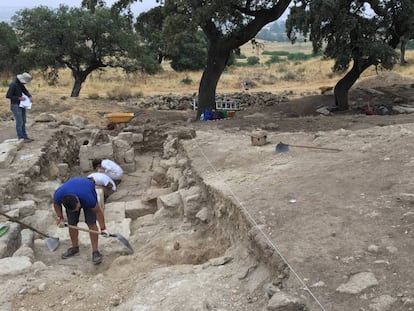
[(327, 215)]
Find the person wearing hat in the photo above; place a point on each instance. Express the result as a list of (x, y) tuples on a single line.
[(75, 194), (16, 93)]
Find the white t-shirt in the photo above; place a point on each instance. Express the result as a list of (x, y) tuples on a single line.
[(112, 169), (102, 179)]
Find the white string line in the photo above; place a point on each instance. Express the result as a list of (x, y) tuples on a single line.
[(305, 287)]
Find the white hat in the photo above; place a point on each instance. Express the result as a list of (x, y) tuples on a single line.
[(24, 78)]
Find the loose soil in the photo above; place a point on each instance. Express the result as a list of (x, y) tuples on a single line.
[(327, 215)]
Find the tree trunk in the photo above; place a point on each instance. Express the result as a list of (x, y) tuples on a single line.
[(342, 87), (80, 77), (216, 62)]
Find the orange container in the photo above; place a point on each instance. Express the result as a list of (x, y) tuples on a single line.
[(120, 117), (230, 114)]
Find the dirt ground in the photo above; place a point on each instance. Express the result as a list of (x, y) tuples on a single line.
[(328, 215)]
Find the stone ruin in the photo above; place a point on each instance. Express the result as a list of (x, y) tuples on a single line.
[(173, 192)]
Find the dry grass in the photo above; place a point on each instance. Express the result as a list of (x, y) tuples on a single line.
[(297, 76)]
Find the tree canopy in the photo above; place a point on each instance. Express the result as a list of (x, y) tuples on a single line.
[(172, 39), (9, 49), (82, 40), (363, 33), (227, 25)]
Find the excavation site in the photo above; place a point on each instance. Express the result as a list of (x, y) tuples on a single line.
[(264, 210)]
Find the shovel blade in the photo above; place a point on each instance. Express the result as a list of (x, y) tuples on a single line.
[(124, 241), (52, 243), (281, 147)]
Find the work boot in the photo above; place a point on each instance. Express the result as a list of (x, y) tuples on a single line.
[(96, 258), (72, 251), (28, 140)]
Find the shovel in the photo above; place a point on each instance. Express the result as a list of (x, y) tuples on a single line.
[(51, 242), (281, 147), (120, 237)]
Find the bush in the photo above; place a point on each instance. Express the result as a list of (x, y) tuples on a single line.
[(119, 93), (274, 59), (187, 80), (253, 60), (93, 96), (241, 56)]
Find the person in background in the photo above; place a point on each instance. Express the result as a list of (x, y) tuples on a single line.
[(75, 194), (108, 167), (103, 181), (16, 93)]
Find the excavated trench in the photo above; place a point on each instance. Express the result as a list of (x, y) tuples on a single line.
[(183, 220)]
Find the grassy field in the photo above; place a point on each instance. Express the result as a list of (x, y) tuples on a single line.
[(298, 76)]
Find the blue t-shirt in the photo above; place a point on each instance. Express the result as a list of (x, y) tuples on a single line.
[(82, 187)]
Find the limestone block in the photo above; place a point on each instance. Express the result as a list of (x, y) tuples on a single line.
[(27, 237), (167, 163), (41, 219), (46, 189), (153, 193), (169, 205), (115, 211), (284, 301), (26, 208), (78, 121), (98, 151), (63, 169), (11, 240), (126, 136), (7, 154), (129, 156), (174, 174), (137, 138), (135, 209), (120, 146), (14, 265), (25, 250)]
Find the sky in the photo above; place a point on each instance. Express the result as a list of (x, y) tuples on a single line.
[(137, 7)]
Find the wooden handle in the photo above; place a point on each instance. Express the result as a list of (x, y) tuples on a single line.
[(313, 147), (82, 229)]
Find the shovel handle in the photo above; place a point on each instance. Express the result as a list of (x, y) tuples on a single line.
[(86, 230), (13, 219), (313, 147), (82, 229)]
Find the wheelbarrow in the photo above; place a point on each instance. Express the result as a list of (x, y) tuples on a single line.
[(116, 118)]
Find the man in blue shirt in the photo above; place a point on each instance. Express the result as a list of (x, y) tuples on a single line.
[(75, 194)]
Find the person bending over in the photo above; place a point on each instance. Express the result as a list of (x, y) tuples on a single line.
[(103, 182), (108, 167), (78, 193)]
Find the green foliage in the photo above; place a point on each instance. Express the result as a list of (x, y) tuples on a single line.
[(4, 83), (240, 56), (274, 59), (276, 53), (9, 49), (172, 37), (345, 32), (299, 56), (187, 80), (189, 51), (81, 40), (253, 60), (149, 26)]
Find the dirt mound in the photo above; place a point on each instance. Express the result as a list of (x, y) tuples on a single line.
[(383, 80)]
